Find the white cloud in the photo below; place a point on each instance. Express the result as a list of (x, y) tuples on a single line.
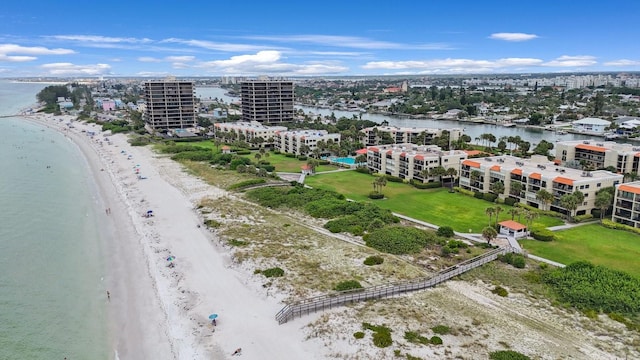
[(148, 59), (572, 61), (269, 62), (453, 65), (513, 36), (32, 50), (9, 58), (623, 62), (349, 42), (210, 45), (100, 39), (69, 69), (180, 58), (152, 73)]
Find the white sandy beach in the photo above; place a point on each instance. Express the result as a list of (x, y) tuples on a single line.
[(160, 312)]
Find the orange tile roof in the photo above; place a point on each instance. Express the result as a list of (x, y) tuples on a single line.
[(473, 152), (389, 152), (536, 176), (637, 155), (374, 149), (591, 147), (419, 157), (495, 168), (629, 188), (563, 180), (403, 154), (361, 151), (557, 161), (471, 163), (516, 171), (512, 225)]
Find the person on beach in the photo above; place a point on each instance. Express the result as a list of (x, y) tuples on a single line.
[(237, 352), (108, 295)]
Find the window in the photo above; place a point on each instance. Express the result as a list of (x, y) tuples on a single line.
[(598, 185)]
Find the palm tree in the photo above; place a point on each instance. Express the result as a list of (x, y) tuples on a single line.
[(381, 182), (545, 197), (514, 211), (569, 202), (529, 216), (489, 233), (497, 210), (516, 188), (603, 201), (312, 164), (490, 211), (257, 156)]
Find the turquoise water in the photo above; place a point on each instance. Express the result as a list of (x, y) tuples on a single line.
[(345, 160), (51, 294)]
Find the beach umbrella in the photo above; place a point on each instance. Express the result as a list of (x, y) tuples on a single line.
[(213, 316), (171, 258), (149, 211)]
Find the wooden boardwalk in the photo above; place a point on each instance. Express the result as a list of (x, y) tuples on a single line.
[(322, 302)]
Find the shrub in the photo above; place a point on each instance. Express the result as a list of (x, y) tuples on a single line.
[(414, 337), (348, 285), (429, 185), (363, 170), (435, 340), (490, 197), (510, 201), (273, 272), (516, 260), (268, 168), (500, 291), (373, 260), (445, 231), (543, 235), (587, 286), (324, 162), (391, 178), (441, 329), (290, 155), (234, 242), (358, 334), (614, 225), (581, 218), (302, 158), (478, 195), (507, 355), (376, 195), (400, 239), (212, 223), (243, 152), (464, 191), (381, 335)]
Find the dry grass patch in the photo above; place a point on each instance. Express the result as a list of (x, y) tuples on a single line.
[(213, 176)]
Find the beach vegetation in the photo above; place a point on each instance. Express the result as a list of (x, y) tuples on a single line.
[(415, 338), (435, 340), (400, 240), (441, 329), (587, 286), (445, 231), (246, 183), (236, 242), (348, 285), (507, 355), (210, 223), (516, 260), (373, 260), (500, 291), (358, 335), (381, 334), (273, 272)]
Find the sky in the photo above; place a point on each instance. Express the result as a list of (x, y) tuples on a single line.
[(156, 39)]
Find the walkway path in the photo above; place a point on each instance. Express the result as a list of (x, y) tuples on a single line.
[(572, 225)]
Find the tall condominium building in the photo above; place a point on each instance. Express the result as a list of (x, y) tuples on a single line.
[(267, 101), (625, 158), (170, 105), (304, 142), (521, 179)]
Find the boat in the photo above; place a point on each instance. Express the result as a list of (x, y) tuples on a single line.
[(561, 132), (508, 124)]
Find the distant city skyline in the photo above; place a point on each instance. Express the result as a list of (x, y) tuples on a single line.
[(331, 38)]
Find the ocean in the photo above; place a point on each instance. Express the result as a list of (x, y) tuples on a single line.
[(52, 296)]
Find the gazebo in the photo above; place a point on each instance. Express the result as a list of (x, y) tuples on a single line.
[(513, 229), (226, 149), (306, 169)]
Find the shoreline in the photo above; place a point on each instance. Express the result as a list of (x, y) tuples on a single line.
[(160, 312)]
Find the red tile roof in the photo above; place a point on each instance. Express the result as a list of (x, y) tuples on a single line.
[(591, 147), (512, 225), (563, 180), (419, 157), (629, 188), (536, 176), (516, 171), (361, 151), (495, 168), (471, 163)]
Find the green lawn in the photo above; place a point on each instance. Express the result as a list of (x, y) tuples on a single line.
[(287, 164), (617, 249), (436, 206)]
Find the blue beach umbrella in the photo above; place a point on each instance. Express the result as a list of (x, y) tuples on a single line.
[(213, 316), (171, 258)]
